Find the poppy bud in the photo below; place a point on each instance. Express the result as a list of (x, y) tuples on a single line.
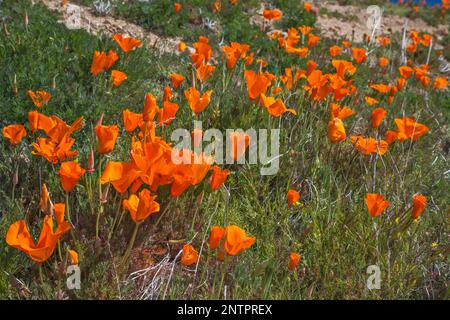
[(104, 197), (91, 166)]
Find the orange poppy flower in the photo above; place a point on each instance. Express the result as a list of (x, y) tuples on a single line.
[(189, 256), (381, 88), (336, 130), (293, 197), (294, 260), (215, 237), (346, 44), (120, 174), (419, 203), (177, 7), (301, 52), (176, 79), (257, 83), (384, 41), (107, 136), (378, 114), (343, 67), (401, 83), (408, 128), (39, 98), (340, 112), (118, 77), (383, 62), (217, 6), (369, 145), (234, 52), (59, 210), (273, 14), (19, 237), (308, 6), (312, 40), (131, 120), (203, 52), (335, 51), (275, 107), (150, 108), (69, 173), (359, 54), (391, 136), (305, 30), (236, 240), (440, 83), (168, 94), (102, 61), (405, 71), (218, 177), (167, 113), (239, 144), (127, 44), (73, 257), (140, 208), (45, 203), (204, 72), (376, 204), (55, 151), (182, 46), (196, 102), (14, 133)]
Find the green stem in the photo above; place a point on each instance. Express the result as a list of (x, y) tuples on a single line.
[(68, 207), (130, 244), (100, 209)]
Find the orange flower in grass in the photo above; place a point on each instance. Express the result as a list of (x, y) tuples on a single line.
[(257, 83), (118, 77), (140, 208), (307, 6), (59, 211), (14, 133), (168, 94), (176, 79), (294, 260), (239, 144), (73, 257), (275, 107), (336, 130), (167, 113), (120, 174), (131, 120), (340, 112), (408, 128), (383, 62), (218, 177), (440, 83), (359, 54), (54, 152), (127, 44), (181, 46), (378, 114), (19, 237), (232, 240), (189, 256), (405, 71), (376, 204), (106, 136), (203, 52), (312, 40), (273, 14), (177, 7), (371, 101), (234, 52), (293, 197), (196, 102), (204, 72), (150, 108), (343, 67), (217, 6), (45, 203), (335, 51), (39, 98), (368, 146), (419, 204), (69, 173), (102, 61)]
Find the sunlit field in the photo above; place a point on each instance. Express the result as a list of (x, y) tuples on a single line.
[(226, 149)]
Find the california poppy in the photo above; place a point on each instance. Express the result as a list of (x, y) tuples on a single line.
[(359, 54), (273, 14), (168, 94), (336, 130), (73, 257), (140, 208), (189, 256), (408, 128), (167, 113), (19, 237), (131, 120), (239, 143), (378, 114), (257, 83), (127, 44), (236, 240), (204, 72), (182, 46), (340, 112), (102, 61), (419, 203), (440, 83), (376, 204), (335, 51), (307, 6), (293, 197), (106, 136), (369, 145), (14, 133), (383, 62), (70, 172), (39, 98), (118, 77), (275, 107), (216, 237), (45, 203), (150, 108), (405, 71), (196, 102), (177, 7), (294, 260), (218, 177), (176, 79)]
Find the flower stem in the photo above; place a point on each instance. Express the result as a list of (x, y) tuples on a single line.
[(130, 245), (100, 209)]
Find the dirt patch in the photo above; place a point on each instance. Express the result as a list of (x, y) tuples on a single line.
[(356, 24), (80, 17)]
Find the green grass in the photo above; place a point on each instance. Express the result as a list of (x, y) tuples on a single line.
[(332, 231)]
